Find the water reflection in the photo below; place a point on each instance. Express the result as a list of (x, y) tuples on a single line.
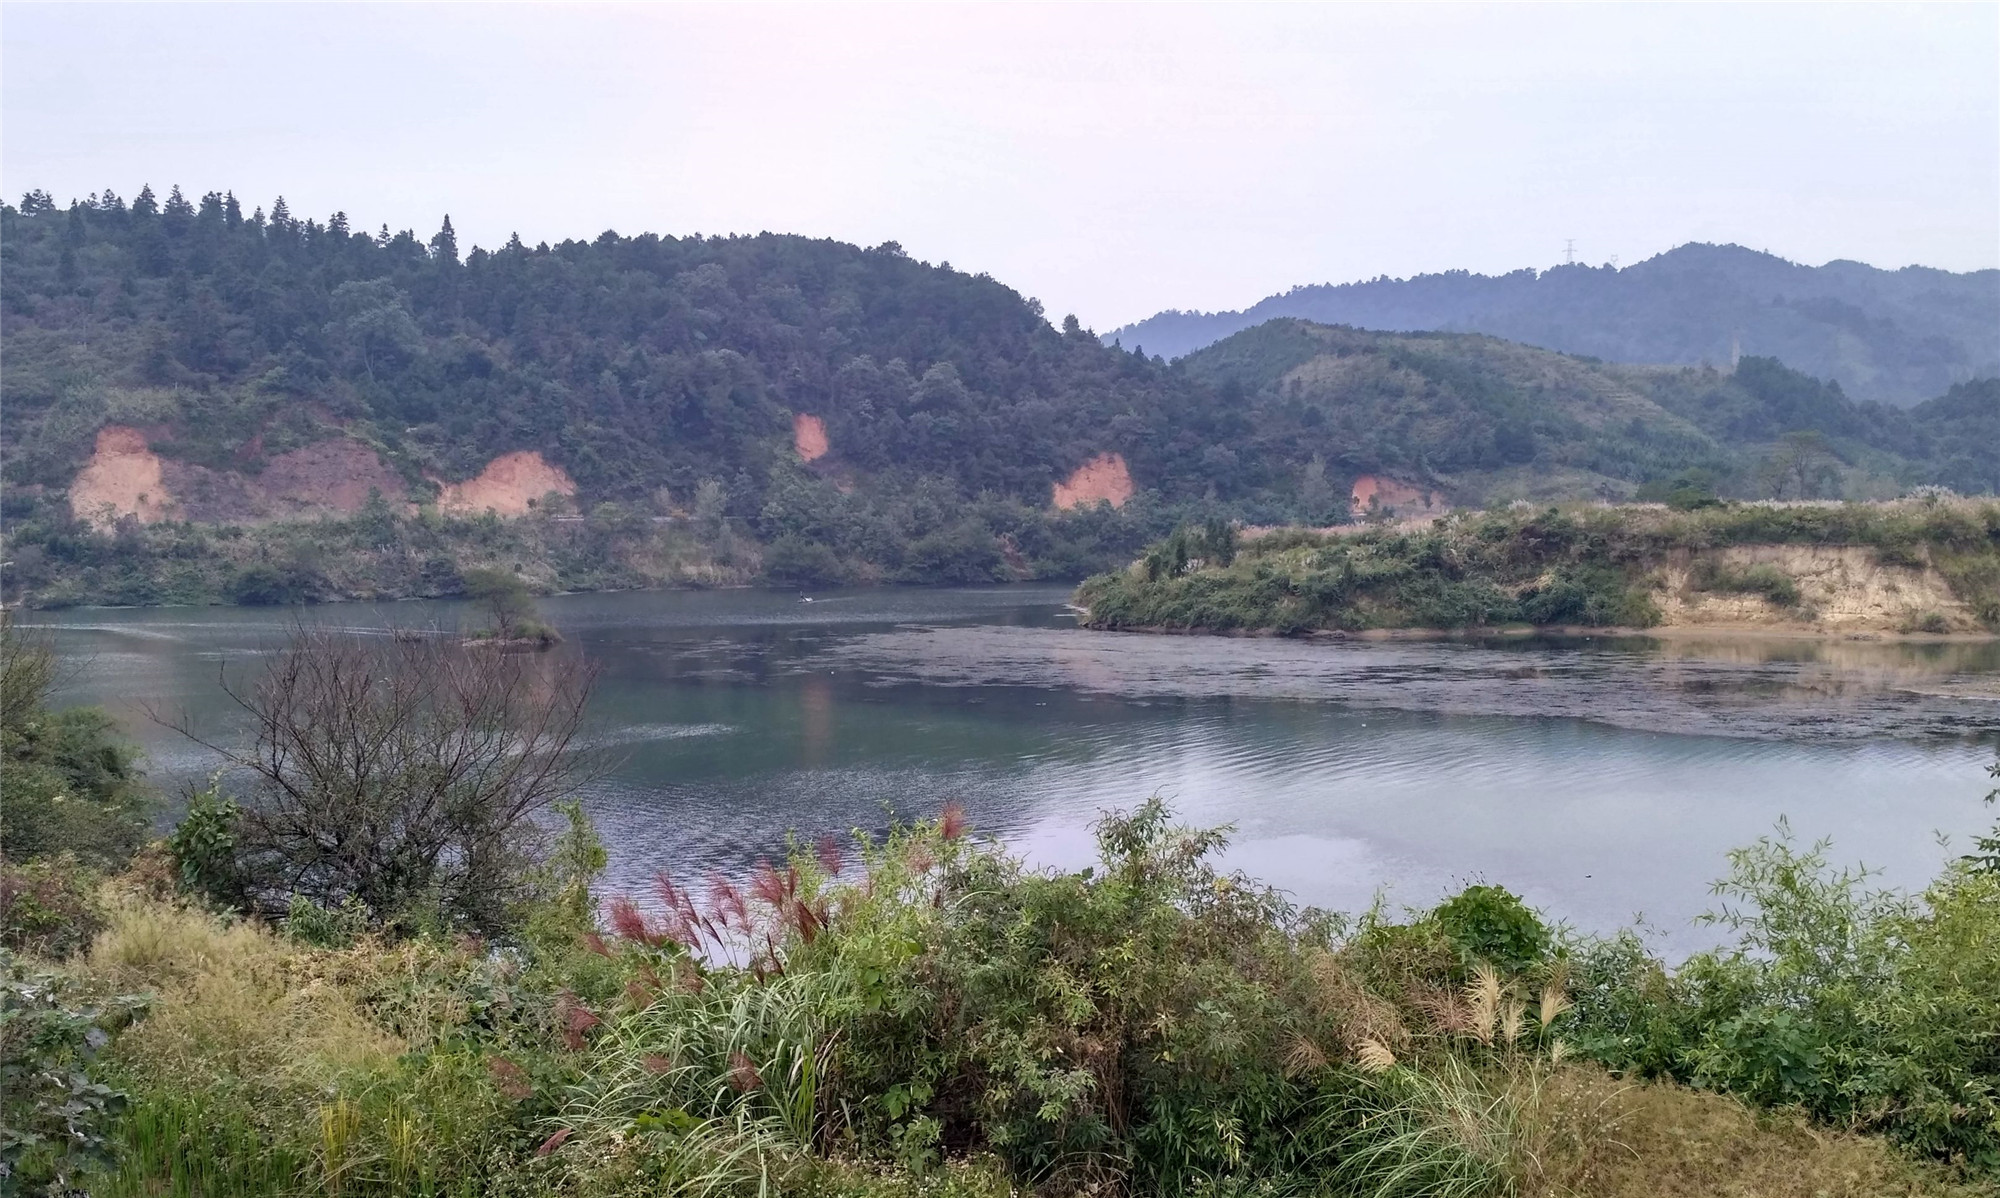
[(1600, 777)]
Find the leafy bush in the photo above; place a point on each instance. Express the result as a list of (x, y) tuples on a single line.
[(1866, 1008), (203, 849), (1490, 924), (71, 783), (57, 1117)]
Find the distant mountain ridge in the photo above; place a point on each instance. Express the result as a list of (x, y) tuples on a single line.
[(1898, 336)]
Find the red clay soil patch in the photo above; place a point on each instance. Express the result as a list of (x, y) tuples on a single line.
[(1103, 478), (333, 475), (507, 486), (809, 437), (122, 478), (1393, 497)]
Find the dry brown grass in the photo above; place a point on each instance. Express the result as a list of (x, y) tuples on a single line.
[(1605, 1138), (233, 1001)]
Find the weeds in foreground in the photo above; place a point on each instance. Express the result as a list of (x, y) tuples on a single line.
[(939, 1019)]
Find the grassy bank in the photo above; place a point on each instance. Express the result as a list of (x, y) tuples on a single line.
[(1925, 565)]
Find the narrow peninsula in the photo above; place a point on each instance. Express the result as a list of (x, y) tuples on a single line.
[(1928, 565)]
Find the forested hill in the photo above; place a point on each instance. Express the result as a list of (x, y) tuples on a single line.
[(1899, 336), (201, 403), (634, 363)]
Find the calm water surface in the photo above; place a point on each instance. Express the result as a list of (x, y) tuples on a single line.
[(1601, 778)]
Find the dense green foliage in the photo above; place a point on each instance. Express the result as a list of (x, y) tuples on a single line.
[(646, 367), (1898, 336), (70, 783), (1520, 565), (663, 374), (56, 1119), (1867, 1008)]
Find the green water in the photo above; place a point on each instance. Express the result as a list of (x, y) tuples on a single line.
[(1600, 778)]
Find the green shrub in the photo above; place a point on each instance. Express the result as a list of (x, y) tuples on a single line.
[(70, 783), (263, 584), (325, 927), (203, 849), (1491, 924), (796, 562), (1865, 1008), (1931, 622), (55, 1118)]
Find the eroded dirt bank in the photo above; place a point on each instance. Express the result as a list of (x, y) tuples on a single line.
[(511, 485), (1102, 479)]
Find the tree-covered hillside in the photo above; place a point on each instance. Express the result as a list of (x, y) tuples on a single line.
[(1899, 336), (1487, 420), (264, 375), (634, 362)]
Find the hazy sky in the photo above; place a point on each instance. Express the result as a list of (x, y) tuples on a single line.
[(1111, 160)]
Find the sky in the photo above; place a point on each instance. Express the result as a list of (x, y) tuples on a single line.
[(1111, 160)]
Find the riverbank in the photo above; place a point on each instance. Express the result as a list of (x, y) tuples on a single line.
[(382, 553), (911, 1011), (1919, 568)]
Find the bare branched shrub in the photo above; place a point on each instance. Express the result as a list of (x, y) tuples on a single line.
[(404, 773), (28, 671)]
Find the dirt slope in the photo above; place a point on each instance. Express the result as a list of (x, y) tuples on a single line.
[(122, 478), (509, 486), (809, 437), (1102, 479), (1842, 588)]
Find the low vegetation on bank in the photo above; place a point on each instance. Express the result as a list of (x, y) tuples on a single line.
[(1928, 564), (810, 533), (394, 971)]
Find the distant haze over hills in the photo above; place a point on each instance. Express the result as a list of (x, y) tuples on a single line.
[(1899, 336)]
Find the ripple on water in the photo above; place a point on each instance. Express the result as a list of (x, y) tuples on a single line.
[(1788, 696)]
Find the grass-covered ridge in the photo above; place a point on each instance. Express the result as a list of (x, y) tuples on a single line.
[(1631, 566)]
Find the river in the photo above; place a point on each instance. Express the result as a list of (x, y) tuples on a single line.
[(1603, 779)]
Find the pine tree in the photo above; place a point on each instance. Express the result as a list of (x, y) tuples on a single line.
[(337, 226), (145, 205), (444, 246), (179, 214), (232, 212)]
